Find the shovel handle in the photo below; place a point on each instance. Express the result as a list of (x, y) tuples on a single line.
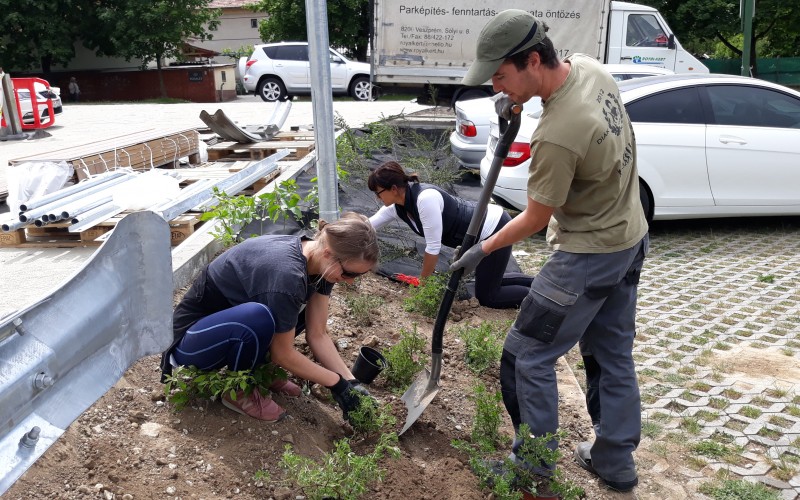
[(508, 131)]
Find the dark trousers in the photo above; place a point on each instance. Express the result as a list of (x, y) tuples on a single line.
[(493, 286), (238, 338)]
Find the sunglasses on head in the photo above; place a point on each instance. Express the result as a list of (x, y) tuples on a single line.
[(346, 273)]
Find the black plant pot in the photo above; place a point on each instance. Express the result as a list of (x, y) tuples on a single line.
[(368, 365)]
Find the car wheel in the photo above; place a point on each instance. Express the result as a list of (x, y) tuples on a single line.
[(646, 199), (271, 89), (359, 88)]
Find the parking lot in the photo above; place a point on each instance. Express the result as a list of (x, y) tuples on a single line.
[(718, 346), (718, 349)]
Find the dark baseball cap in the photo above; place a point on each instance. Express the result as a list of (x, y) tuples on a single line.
[(509, 32)]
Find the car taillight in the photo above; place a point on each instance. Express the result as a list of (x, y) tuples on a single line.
[(518, 153), (467, 129), (251, 62)]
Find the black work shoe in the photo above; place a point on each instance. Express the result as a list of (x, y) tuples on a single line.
[(583, 458)]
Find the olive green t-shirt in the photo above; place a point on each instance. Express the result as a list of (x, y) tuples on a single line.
[(584, 164)]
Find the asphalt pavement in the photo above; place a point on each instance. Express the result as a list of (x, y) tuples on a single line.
[(29, 274)]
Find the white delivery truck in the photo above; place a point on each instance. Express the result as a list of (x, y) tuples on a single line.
[(430, 45)]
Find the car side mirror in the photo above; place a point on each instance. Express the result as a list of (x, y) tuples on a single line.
[(336, 60), (671, 42)]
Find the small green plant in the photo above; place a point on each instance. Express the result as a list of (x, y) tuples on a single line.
[(425, 299), (651, 428), (370, 418), (483, 345), (750, 412), (262, 476), (233, 213), (766, 278), (188, 383), (488, 417), (341, 473), (404, 359), (361, 306), (738, 489)]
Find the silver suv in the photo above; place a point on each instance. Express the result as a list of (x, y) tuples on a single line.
[(277, 71)]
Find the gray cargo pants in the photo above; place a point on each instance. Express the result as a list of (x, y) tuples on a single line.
[(588, 297)]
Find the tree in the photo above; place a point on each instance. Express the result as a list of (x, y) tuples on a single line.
[(150, 30), (348, 24), (36, 34), (700, 24)]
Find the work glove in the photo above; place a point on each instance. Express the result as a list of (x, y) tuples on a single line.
[(347, 397), (503, 105), (470, 260), (407, 279), (358, 387)]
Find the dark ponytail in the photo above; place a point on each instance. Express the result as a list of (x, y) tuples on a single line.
[(389, 174)]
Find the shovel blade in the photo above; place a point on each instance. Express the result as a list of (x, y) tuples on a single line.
[(418, 396)]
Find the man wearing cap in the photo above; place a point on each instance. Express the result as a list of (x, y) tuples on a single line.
[(583, 186)]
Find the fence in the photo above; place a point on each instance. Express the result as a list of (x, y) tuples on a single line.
[(783, 70)]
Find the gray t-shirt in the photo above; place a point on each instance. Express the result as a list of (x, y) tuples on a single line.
[(270, 270)]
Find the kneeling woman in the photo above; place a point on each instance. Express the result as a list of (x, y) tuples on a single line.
[(255, 298), (443, 219)]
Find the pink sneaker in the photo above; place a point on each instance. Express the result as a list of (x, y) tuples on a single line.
[(255, 405), (287, 388)]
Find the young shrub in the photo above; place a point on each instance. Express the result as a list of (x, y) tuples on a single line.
[(187, 383), (340, 473), (483, 345), (370, 418), (233, 214), (488, 417), (426, 298), (404, 359), (361, 306)]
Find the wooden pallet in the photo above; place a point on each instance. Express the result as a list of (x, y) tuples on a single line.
[(259, 150), (223, 170), (57, 235)]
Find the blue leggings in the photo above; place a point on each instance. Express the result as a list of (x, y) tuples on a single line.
[(238, 338)]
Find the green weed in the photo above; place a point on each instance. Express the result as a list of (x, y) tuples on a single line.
[(188, 383), (738, 489), (404, 359), (340, 473), (488, 417), (425, 299), (361, 307), (483, 345), (370, 418)]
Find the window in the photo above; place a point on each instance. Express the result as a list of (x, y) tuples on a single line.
[(673, 106), (644, 31), (754, 107), (254, 23), (288, 52)]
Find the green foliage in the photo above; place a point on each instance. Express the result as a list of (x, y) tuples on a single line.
[(287, 21), (233, 214), (188, 383), (361, 306), (36, 35), (340, 473), (403, 359), (738, 489), (236, 212), (425, 299), (483, 344), (235, 54), (488, 417), (262, 475), (370, 418)]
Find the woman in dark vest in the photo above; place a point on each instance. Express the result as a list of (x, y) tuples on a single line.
[(253, 300), (443, 219)]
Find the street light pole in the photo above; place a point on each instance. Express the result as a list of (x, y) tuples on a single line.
[(747, 11)]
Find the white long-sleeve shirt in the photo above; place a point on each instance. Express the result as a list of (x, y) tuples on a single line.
[(430, 205)]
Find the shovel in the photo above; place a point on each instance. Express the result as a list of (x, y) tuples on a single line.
[(426, 384)]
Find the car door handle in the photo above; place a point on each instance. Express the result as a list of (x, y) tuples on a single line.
[(728, 139)]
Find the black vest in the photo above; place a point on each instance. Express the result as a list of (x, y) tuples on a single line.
[(456, 214)]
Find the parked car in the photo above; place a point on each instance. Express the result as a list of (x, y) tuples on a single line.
[(707, 146), (468, 141), (277, 71), (45, 93)]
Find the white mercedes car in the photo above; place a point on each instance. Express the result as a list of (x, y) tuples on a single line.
[(707, 146), (468, 141)]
